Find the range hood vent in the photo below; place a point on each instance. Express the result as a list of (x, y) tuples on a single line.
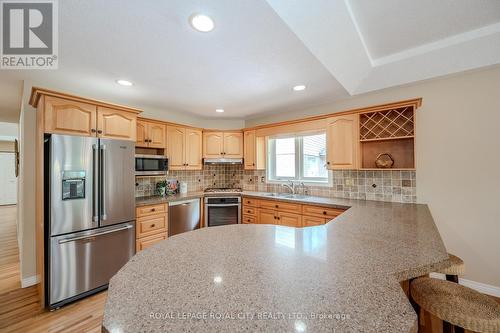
[(223, 161)]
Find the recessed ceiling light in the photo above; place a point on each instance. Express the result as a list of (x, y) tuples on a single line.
[(218, 279), (219, 110), (299, 87), (124, 83), (201, 22)]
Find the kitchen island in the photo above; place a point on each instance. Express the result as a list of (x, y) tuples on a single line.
[(343, 275)]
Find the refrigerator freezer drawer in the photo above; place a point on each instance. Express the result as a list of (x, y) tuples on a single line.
[(83, 261)]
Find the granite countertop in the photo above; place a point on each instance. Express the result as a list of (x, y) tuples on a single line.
[(341, 276), (156, 199)]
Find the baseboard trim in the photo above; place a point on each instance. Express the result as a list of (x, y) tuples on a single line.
[(29, 281), (478, 286)]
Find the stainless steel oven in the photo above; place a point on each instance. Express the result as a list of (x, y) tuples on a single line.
[(151, 165), (222, 210)]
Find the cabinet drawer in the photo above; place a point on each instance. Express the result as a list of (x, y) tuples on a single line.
[(248, 219), (321, 211), (151, 225), (251, 202), (309, 221), (146, 242), (281, 206), (151, 210), (249, 210)]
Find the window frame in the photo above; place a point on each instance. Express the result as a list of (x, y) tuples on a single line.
[(299, 162)]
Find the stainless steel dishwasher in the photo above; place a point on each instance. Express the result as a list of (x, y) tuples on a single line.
[(183, 216)]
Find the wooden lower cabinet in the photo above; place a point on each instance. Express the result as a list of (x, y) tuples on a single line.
[(146, 242), (286, 213), (248, 219), (290, 219), (267, 216), (311, 221), (151, 225)]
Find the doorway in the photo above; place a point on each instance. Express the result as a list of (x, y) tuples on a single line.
[(8, 179)]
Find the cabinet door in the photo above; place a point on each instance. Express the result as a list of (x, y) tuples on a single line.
[(267, 217), (213, 144), (193, 149), (290, 219), (249, 150), (310, 221), (141, 134), (69, 117), (144, 243), (156, 135), (233, 145), (175, 147), (116, 124), (343, 142)]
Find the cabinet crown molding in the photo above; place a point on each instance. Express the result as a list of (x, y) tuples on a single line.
[(37, 93)]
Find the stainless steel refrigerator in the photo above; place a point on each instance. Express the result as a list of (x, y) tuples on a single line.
[(89, 214)]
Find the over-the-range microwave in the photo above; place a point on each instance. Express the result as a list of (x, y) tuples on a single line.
[(151, 165)]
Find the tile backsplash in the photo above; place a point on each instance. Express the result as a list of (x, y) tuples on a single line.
[(380, 185)]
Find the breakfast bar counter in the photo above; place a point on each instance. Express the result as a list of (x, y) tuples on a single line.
[(341, 276)]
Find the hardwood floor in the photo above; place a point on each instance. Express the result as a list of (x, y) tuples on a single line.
[(80, 317), (10, 278)]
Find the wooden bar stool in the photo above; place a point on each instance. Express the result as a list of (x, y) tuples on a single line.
[(456, 268), (457, 306)]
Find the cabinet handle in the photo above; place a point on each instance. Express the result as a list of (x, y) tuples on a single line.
[(324, 213), (253, 164), (93, 130), (153, 209), (274, 217), (328, 163), (248, 220), (99, 132), (276, 206), (278, 218), (152, 225), (248, 211)]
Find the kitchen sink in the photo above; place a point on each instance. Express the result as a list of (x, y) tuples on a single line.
[(286, 195)]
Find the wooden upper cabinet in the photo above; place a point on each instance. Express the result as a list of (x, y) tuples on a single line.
[(249, 150), (184, 148), (156, 135), (223, 144), (233, 145), (343, 142), (150, 134), (141, 134), (213, 144), (175, 147), (69, 117), (193, 145), (116, 124)]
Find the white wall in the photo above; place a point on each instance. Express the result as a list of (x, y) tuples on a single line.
[(26, 190), (8, 131), (458, 160)]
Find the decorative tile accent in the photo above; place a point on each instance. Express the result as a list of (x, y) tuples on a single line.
[(380, 185)]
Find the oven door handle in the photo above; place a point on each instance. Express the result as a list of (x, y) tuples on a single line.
[(222, 205)]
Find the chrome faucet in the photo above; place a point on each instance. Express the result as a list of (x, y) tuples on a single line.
[(290, 186), (304, 190)]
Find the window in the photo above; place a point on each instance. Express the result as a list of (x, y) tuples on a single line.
[(300, 158)]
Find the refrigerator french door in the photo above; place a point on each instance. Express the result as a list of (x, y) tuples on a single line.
[(90, 214)]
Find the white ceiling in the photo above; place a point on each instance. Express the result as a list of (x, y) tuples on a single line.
[(258, 51), (390, 26)]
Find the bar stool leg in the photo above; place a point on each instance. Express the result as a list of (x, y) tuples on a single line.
[(452, 278), (447, 327)]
